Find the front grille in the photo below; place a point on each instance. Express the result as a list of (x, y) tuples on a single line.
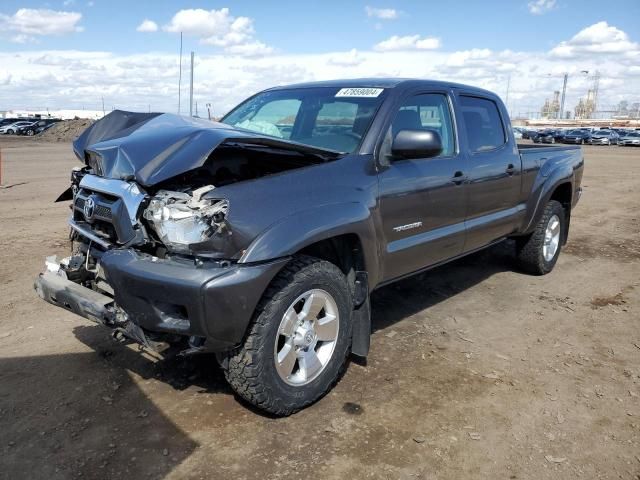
[(99, 217), (102, 211), (107, 209)]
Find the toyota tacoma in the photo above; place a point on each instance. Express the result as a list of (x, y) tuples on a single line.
[(260, 237)]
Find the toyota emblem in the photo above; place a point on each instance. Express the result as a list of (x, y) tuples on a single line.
[(89, 205)]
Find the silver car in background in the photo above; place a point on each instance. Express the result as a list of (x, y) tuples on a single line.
[(630, 140), (603, 137)]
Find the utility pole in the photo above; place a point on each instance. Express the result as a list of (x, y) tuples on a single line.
[(596, 86), (507, 96), (180, 75), (191, 89), (208, 105), (103, 106)]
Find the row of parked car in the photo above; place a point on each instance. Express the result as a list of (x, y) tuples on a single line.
[(580, 136), (26, 126)]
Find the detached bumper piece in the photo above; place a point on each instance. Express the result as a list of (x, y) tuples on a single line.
[(80, 300), (160, 302)]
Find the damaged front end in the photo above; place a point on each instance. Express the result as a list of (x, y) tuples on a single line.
[(116, 225), (154, 248)]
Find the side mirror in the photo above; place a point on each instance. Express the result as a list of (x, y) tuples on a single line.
[(416, 144)]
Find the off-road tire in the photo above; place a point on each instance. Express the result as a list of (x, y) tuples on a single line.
[(529, 249), (250, 369)]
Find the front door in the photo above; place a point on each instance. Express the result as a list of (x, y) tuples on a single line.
[(422, 201)]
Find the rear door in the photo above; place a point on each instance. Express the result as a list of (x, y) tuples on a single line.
[(422, 201), (494, 171)]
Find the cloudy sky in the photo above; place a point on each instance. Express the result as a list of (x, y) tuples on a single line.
[(71, 53)]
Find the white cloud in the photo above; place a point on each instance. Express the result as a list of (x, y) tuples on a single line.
[(22, 38), (466, 58), (134, 81), (28, 23), (409, 42), (251, 49), (220, 29), (214, 27), (147, 26), (539, 7), (597, 38), (382, 13), (349, 59)]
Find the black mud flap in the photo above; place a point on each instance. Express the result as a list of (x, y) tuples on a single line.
[(361, 334), (361, 339), (80, 300)]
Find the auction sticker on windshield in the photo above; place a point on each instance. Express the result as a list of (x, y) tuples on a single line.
[(359, 92)]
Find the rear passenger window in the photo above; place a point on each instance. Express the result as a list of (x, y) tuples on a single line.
[(483, 123), (427, 112)]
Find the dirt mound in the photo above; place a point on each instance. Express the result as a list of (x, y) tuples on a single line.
[(65, 131)]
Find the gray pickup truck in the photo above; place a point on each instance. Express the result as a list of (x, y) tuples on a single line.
[(261, 237)]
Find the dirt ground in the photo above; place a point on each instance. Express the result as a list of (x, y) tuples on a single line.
[(476, 370)]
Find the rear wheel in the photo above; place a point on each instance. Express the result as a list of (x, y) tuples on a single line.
[(298, 342), (538, 252)]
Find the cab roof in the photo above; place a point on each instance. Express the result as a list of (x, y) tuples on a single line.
[(387, 83)]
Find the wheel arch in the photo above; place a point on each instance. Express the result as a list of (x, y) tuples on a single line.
[(340, 234), (553, 183)]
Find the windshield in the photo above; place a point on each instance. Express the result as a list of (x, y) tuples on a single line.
[(324, 117), (576, 132)]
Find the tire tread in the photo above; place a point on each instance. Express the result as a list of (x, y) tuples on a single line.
[(242, 368)]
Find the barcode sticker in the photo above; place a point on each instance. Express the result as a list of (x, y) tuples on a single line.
[(359, 92)]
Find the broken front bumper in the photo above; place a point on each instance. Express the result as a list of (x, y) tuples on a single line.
[(80, 300), (215, 303)]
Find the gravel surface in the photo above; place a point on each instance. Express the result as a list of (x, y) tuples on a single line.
[(476, 369)]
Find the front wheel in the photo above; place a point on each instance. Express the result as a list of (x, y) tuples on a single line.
[(538, 252), (298, 342)]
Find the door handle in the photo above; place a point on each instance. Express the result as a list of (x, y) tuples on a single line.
[(458, 177), (510, 169)]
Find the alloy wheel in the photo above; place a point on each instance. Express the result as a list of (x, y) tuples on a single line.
[(551, 238), (307, 337)]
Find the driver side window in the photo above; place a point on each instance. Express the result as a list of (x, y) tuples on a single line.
[(429, 111)]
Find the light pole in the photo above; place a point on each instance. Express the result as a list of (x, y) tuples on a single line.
[(208, 105)]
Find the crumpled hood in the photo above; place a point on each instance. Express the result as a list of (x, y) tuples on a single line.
[(152, 147)]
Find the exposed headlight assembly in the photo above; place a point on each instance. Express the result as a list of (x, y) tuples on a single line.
[(181, 219)]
